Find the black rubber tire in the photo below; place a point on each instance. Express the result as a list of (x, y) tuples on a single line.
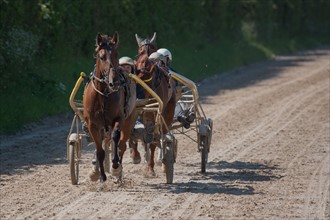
[(74, 163), (210, 122), (204, 152), (168, 162)]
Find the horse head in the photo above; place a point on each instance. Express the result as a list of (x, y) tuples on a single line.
[(107, 59), (146, 46), (145, 69)]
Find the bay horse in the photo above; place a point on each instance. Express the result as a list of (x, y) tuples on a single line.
[(164, 86), (109, 102), (146, 47)]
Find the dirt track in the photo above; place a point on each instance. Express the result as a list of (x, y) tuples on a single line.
[(269, 157)]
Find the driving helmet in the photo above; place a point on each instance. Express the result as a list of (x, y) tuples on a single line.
[(156, 55), (126, 60), (166, 53)]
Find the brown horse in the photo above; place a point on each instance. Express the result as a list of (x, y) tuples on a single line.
[(146, 47), (109, 101), (159, 81)]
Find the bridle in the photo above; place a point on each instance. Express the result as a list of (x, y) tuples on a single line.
[(111, 85), (142, 71), (146, 44)]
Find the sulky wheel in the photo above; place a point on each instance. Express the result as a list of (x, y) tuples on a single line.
[(168, 160), (203, 142), (74, 158), (210, 131)]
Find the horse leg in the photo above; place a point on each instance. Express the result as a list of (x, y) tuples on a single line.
[(100, 157), (151, 162), (133, 144), (122, 146), (132, 134), (125, 135), (116, 166), (100, 154), (146, 151), (135, 154), (169, 109)]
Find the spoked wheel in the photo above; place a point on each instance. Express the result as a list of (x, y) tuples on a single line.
[(74, 162), (168, 160), (210, 122), (204, 152), (204, 141)]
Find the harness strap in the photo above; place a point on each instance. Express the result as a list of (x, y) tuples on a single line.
[(98, 91), (92, 77), (158, 79)]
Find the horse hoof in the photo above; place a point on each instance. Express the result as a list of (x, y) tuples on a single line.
[(117, 172), (94, 175), (163, 168), (150, 172), (103, 178), (136, 158), (159, 162)]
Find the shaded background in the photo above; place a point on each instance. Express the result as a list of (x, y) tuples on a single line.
[(45, 44)]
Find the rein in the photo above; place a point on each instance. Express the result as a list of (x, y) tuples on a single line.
[(155, 84)]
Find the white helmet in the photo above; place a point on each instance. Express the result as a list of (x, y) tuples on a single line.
[(126, 60), (166, 53), (156, 55)]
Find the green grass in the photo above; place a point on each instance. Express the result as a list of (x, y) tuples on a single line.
[(206, 60), (45, 91)]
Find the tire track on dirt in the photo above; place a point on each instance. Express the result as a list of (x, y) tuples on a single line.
[(49, 206), (182, 205), (153, 208), (318, 191), (296, 174), (282, 120), (289, 102)]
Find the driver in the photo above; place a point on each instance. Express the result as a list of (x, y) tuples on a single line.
[(127, 64), (159, 59)]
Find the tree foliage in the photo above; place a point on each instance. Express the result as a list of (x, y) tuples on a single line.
[(74, 24)]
